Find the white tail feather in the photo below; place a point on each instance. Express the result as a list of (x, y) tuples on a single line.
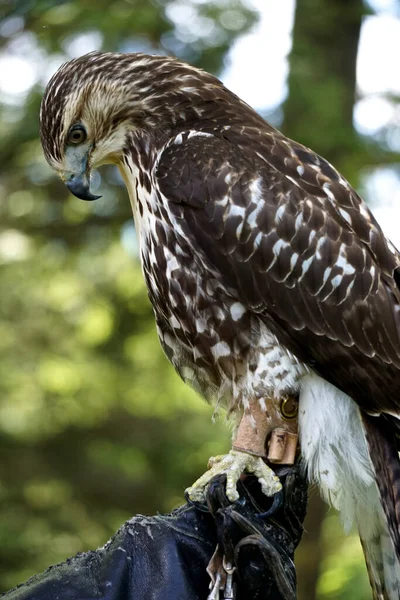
[(336, 456)]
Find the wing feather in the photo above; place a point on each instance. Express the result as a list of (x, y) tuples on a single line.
[(293, 242)]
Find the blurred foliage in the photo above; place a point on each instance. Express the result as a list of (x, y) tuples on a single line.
[(343, 572), (94, 424)]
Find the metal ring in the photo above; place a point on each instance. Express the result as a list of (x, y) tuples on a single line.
[(289, 412)]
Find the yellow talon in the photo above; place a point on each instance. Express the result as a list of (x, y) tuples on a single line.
[(233, 465)]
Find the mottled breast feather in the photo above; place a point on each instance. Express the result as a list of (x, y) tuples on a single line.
[(281, 227)]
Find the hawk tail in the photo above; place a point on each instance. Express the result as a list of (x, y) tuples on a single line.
[(382, 550), (382, 565), (354, 460), (385, 461)]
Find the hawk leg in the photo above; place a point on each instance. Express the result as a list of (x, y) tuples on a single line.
[(249, 451)]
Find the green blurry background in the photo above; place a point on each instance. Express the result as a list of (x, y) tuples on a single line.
[(94, 424)]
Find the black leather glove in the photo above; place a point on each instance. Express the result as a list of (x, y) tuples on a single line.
[(166, 557), (257, 536)]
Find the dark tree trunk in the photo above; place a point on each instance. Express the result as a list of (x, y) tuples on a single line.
[(322, 80)]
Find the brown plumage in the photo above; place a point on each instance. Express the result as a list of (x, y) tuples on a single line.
[(267, 272)]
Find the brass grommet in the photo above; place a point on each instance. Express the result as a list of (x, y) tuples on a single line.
[(289, 408)]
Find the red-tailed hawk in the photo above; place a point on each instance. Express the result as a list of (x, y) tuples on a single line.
[(268, 274)]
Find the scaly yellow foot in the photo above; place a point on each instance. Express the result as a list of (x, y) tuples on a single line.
[(233, 465)]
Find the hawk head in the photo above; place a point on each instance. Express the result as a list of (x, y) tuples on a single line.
[(96, 104)]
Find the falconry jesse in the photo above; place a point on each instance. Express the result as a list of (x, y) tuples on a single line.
[(268, 275)]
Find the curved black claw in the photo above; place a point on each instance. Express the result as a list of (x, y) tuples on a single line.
[(276, 505), (216, 494)]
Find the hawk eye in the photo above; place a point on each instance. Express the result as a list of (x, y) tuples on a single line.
[(77, 135)]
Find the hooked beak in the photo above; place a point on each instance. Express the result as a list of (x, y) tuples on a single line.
[(79, 185)]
